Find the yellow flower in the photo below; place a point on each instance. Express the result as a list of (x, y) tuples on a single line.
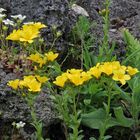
[(22, 84), (115, 65), (109, 67), (74, 75), (74, 71), (75, 79), (132, 71), (123, 68), (78, 76), (34, 57), (121, 76), (27, 80), (51, 56), (13, 83), (42, 79), (30, 77), (106, 68), (42, 61), (15, 35), (34, 86), (61, 80), (36, 25), (31, 83), (39, 25), (28, 34), (85, 76), (95, 72), (38, 59)]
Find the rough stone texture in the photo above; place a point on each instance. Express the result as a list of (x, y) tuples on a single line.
[(14, 108), (50, 12), (123, 14)]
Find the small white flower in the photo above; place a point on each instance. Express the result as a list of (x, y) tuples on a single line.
[(8, 22), (20, 17), (20, 125), (2, 15), (28, 23), (2, 10)]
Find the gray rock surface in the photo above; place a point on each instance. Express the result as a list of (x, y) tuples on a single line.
[(50, 12), (123, 14), (13, 108)]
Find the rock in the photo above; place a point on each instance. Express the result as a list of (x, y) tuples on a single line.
[(50, 12), (123, 14), (79, 10), (14, 109)]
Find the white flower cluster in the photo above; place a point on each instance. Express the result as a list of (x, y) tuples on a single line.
[(18, 17), (1, 13), (8, 21), (19, 124)]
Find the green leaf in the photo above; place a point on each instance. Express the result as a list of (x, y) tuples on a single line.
[(121, 119), (97, 118), (133, 49), (94, 119)]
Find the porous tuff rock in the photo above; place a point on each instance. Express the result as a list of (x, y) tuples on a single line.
[(123, 14), (50, 12), (13, 108)]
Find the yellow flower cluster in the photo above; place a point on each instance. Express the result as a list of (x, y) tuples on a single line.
[(27, 33), (114, 69), (32, 83), (43, 59), (75, 76)]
